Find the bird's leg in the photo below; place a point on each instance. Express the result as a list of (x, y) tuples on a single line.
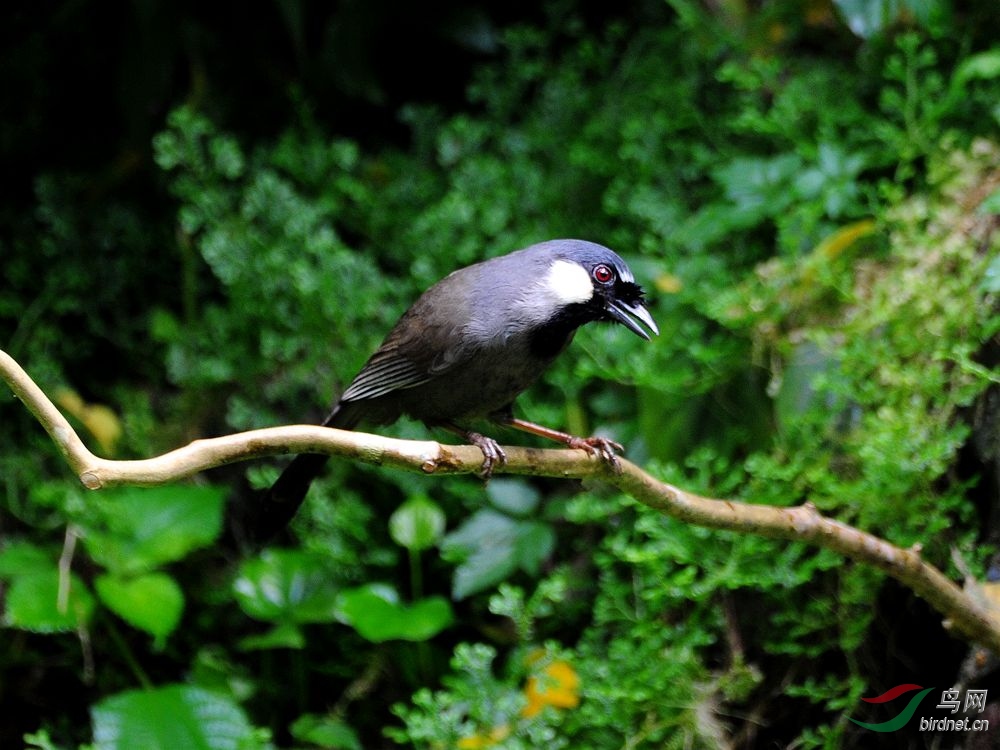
[(595, 446), (493, 454)]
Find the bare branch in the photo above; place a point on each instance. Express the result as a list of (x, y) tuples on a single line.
[(965, 613)]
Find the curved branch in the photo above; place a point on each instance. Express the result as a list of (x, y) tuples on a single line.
[(965, 613)]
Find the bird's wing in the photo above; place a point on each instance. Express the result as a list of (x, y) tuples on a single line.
[(385, 372), (426, 343)]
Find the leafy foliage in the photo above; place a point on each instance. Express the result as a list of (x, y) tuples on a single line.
[(809, 192), (172, 716)]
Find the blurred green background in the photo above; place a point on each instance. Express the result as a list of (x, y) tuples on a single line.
[(211, 215)]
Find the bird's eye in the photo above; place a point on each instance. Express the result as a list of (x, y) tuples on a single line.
[(603, 274)]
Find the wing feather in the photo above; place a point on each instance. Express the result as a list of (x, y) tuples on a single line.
[(385, 372), (422, 346)]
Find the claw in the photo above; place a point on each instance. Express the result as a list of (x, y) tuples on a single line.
[(603, 448), (493, 454)]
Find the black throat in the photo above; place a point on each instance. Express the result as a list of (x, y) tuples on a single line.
[(549, 339)]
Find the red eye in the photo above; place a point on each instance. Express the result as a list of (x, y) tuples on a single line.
[(603, 273)]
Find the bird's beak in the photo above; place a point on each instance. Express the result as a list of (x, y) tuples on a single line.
[(630, 315)]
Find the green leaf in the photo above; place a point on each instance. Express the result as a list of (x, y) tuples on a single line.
[(514, 496), (491, 546), (484, 545), (325, 731), (984, 66), (32, 603), (165, 327), (482, 570), (216, 668), (286, 586), (20, 558), (282, 635), (417, 524), (152, 602), (375, 612), (39, 740), (485, 528), (136, 530), (171, 717), (533, 543)]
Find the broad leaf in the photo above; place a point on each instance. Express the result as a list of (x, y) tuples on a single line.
[(19, 558), (282, 635), (374, 610), (152, 602), (515, 496), (32, 603), (417, 524), (325, 731), (136, 530), (171, 717), (286, 586), (491, 546)]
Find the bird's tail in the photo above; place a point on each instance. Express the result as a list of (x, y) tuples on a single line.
[(281, 502)]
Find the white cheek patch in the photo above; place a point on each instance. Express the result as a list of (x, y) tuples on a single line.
[(568, 282)]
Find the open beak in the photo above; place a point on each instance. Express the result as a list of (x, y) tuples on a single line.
[(630, 315)]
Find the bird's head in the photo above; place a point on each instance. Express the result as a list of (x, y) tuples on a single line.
[(596, 282)]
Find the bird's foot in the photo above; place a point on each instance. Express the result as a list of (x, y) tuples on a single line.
[(599, 447), (493, 454), (602, 448)]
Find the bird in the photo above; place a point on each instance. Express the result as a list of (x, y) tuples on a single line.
[(470, 345)]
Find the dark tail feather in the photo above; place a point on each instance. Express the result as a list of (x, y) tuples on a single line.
[(278, 506), (282, 501)]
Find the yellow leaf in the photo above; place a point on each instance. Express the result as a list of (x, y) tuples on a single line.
[(69, 400), (836, 243), (104, 425), (99, 420), (667, 283)]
